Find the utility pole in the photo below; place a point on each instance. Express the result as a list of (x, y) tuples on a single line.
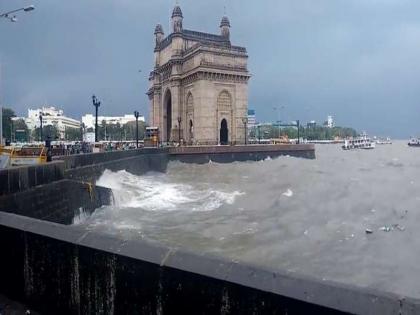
[(40, 128), (12, 18), (298, 126), (245, 121), (96, 103), (137, 114)]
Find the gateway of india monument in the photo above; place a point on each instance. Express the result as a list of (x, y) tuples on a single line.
[(199, 86)]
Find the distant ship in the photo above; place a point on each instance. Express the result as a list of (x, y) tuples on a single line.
[(362, 142), (414, 142), (383, 141)]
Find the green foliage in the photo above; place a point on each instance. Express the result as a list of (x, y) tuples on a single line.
[(116, 132), (8, 113), (47, 131), (20, 131), (73, 134), (310, 133)]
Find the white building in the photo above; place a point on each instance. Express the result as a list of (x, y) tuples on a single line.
[(50, 117), (89, 120), (330, 122), (252, 122)]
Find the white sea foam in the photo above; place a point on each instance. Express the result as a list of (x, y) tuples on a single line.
[(154, 193), (288, 193)]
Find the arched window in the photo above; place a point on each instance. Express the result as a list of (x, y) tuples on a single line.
[(224, 101)]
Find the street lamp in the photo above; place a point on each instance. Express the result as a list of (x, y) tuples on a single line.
[(96, 103), (245, 121), (136, 114), (298, 127), (40, 129), (13, 18), (179, 130)]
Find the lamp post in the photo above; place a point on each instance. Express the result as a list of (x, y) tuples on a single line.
[(13, 18), (40, 128), (298, 127), (96, 103), (245, 121), (136, 114), (179, 130)]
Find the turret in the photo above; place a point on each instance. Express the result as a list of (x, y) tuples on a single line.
[(159, 35), (225, 27), (177, 20)]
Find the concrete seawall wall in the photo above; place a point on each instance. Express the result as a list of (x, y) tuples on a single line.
[(58, 202), (66, 270), (228, 154), (17, 179), (137, 164)]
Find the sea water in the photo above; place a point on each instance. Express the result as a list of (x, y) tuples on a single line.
[(301, 216)]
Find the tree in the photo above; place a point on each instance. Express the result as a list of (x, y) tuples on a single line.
[(73, 134), (20, 131), (8, 113)]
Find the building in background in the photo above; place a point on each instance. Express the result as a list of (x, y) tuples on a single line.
[(330, 122), (311, 124), (252, 121), (50, 117), (89, 120)]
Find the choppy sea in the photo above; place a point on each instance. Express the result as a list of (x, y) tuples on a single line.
[(301, 216)]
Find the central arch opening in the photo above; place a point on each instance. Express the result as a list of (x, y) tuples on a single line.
[(168, 107), (224, 132)]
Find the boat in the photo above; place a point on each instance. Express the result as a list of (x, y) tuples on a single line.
[(23, 155), (414, 142), (362, 142), (383, 140)]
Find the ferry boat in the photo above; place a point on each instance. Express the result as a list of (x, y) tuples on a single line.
[(414, 142), (362, 142), (383, 141)]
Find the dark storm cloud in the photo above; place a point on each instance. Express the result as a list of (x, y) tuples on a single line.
[(356, 60)]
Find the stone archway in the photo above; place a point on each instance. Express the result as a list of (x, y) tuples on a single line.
[(224, 132), (167, 121)]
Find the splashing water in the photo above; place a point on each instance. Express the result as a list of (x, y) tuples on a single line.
[(153, 192), (304, 216)]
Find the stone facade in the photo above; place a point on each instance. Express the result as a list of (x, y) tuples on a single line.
[(199, 85)]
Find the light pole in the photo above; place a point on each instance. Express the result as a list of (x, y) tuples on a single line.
[(245, 121), (179, 130), (96, 103), (137, 114), (298, 126), (40, 128), (13, 18)]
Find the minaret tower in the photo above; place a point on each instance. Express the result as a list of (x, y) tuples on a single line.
[(177, 19), (225, 27)]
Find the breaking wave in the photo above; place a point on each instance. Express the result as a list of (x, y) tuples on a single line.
[(153, 192)]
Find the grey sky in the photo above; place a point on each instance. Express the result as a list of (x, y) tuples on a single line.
[(355, 59)]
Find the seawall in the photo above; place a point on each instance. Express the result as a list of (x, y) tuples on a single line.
[(228, 154), (59, 269)]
